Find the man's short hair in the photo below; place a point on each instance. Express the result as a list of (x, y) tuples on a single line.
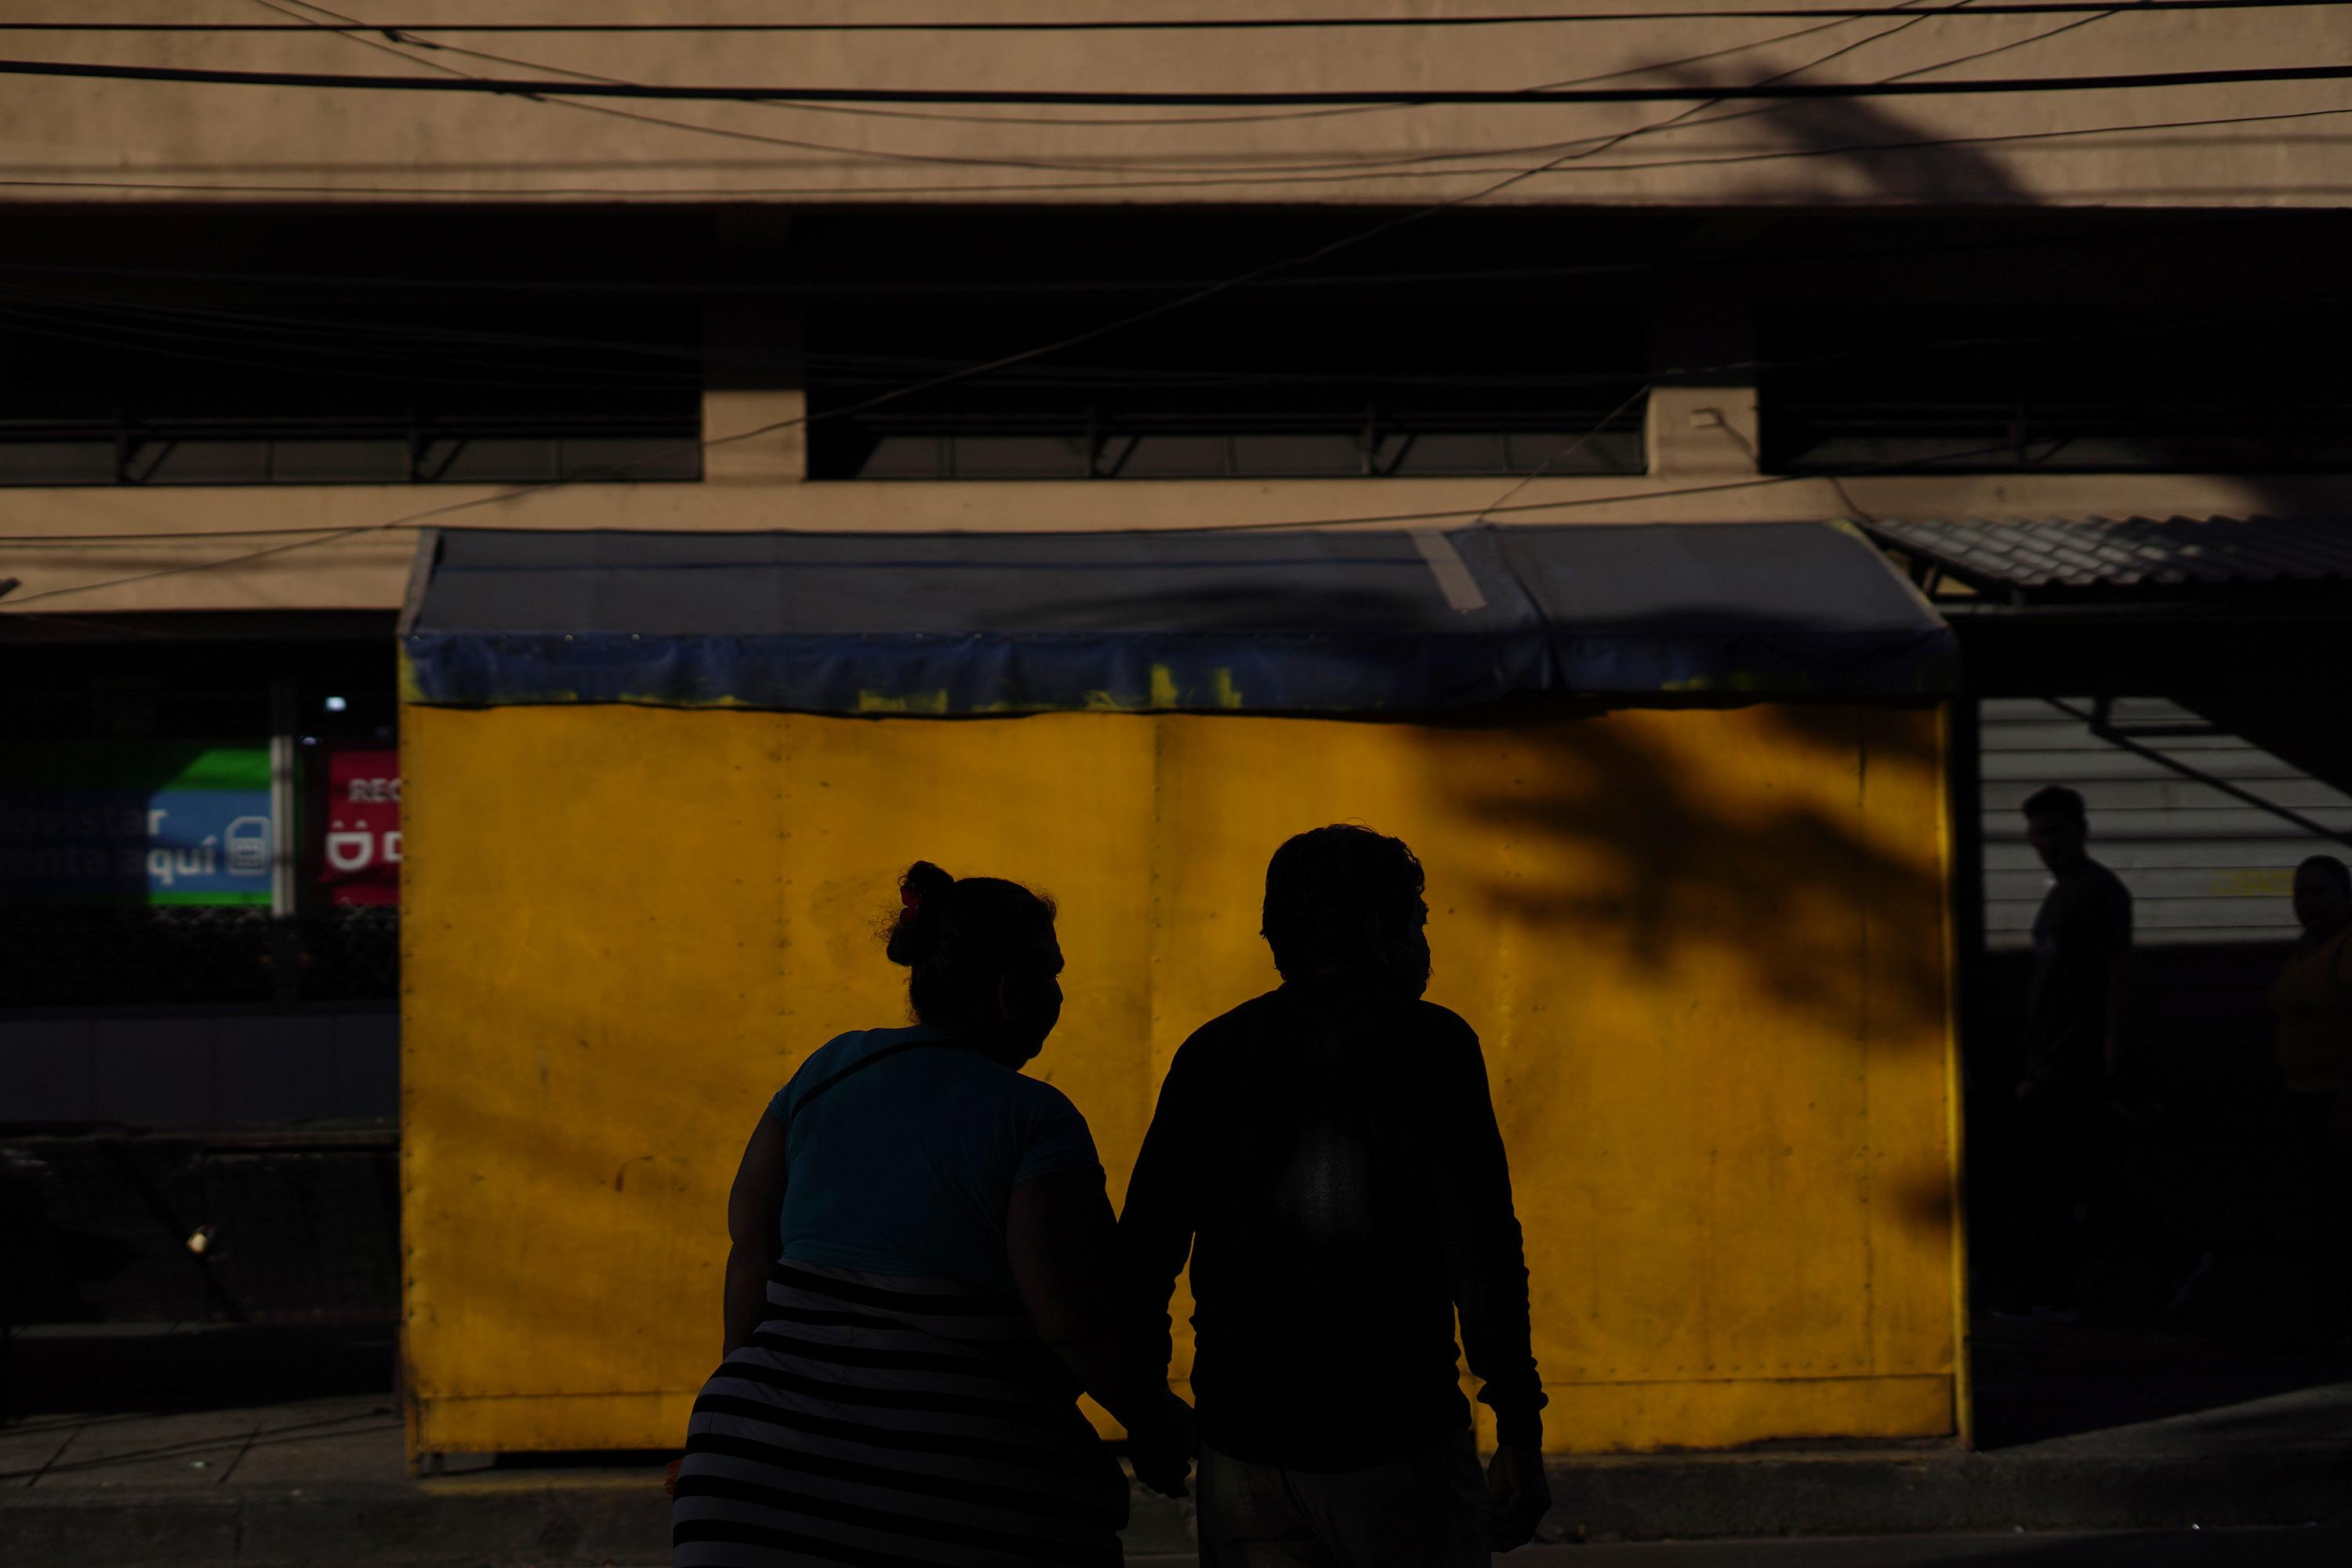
[(2330, 866), (1346, 898), (2058, 802)]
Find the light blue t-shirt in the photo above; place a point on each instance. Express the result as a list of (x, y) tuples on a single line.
[(906, 1167)]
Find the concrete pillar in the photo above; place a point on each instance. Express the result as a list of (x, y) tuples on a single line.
[(778, 456), (1702, 420), (753, 379), (1702, 432)]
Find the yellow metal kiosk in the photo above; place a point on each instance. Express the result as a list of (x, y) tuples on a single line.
[(1680, 794)]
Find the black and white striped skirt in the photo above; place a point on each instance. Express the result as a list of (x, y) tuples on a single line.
[(881, 1420)]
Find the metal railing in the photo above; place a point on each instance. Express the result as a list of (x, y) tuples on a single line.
[(1096, 444), (137, 955), (124, 449)]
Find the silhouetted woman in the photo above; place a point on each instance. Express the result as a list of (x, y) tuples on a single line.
[(921, 1280)]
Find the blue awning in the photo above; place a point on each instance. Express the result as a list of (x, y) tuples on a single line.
[(1261, 622)]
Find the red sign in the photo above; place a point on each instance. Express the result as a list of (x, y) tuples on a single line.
[(358, 861)]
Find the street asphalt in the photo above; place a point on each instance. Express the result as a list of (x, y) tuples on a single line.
[(2251, 1456)]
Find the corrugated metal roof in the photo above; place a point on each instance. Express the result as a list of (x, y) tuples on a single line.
[(2135, 557)]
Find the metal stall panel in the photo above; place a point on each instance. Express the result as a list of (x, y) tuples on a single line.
[(1705, 947)]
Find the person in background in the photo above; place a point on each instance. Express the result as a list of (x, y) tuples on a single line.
[(2312, 1001), (1329, 1157), (921, 1280), (2073, 1045)]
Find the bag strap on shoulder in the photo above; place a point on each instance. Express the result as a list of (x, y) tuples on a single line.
[(854, 1068)]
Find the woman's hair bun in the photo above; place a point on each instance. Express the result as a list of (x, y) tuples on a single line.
[(961, 936), (915, 932)]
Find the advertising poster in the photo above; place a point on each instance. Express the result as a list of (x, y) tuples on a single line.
[(359, 858), (152, 823)]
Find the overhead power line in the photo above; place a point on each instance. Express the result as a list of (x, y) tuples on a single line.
[(1062, 285), (309, 539), (2228, 317), (399, 45), (1393, 519), (1905, 16), (1038, 351), (361, 31), (1566, 155), (874, 195), (1040, 97), (1304, 260), (382, 35), (1198, 24)]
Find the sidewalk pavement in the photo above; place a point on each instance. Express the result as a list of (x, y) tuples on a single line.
[(324, 1480)]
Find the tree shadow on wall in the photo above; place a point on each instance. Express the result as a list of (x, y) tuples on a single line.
[(1777, 880)]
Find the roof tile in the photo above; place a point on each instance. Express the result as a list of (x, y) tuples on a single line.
[(2139, 552)]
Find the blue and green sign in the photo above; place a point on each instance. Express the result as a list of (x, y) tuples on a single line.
[(153, 824)]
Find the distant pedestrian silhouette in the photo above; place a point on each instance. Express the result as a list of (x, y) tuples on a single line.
[(2073, 1048), (2313, 1003), (1327, 1155), (921, 1280)]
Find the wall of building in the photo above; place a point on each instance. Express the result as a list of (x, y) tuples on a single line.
[(1704, 949), (145, 142), (1708, 294)]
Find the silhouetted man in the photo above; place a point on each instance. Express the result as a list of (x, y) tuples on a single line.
[(2072, 1042), (1327, 1154)]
